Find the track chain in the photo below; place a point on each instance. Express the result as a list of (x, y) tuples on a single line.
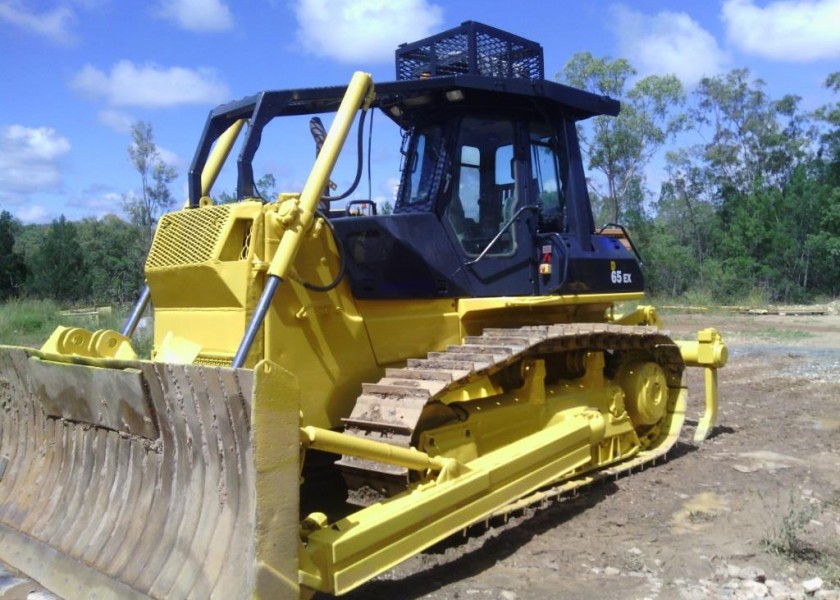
[(390, 409)]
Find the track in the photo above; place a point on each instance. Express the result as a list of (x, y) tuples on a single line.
[(397, 407)]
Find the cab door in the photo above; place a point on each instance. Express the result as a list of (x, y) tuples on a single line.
[(486, 213)]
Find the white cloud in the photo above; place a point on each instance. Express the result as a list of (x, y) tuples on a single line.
[(167, 156), (363, 30), (667, 43), (171, 158), (197, 15), (117, 120), (33, 213), (388, 190), (98, 200), (30, 160), (792, 31), (150, 85), (54, 24)]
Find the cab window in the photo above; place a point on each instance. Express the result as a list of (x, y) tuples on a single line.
[(485, 196), (545, 174), (423, 171)]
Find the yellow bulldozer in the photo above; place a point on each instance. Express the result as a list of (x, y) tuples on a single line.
[(330, 390)]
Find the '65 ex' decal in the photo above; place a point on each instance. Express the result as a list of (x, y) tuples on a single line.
[(616, 276)]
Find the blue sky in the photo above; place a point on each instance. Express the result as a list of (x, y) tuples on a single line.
[(76, 73)]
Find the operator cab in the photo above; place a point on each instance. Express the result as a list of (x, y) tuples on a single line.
[(492, 199), (492, 179), (491, 176)]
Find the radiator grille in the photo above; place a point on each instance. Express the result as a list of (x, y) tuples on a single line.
[(187, 237)]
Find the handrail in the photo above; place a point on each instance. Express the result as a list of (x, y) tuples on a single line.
[(504, 228), (627, 236)]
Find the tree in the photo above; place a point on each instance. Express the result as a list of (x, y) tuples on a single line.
[(685, 204), (621, 147), (751, 136), (753, 206), (753, 169), (12, 267), (265, 187), (824, 243), (824, 246), (58, 266), (155, 176), (112, 250), (829, 117)]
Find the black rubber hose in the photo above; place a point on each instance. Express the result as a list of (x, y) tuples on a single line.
[(342, 261), (359, 163)]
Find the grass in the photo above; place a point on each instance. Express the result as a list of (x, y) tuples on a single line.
[(784, 535), (30, 322), (754, 298), (142, 344), (774, 333)]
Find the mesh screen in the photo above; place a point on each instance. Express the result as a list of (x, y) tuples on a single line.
[(187, 237), (502, 58), (493, 54)]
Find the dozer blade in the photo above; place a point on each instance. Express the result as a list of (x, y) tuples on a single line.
[(132, 479)]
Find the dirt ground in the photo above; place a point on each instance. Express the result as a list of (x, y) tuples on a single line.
[(752, 512)]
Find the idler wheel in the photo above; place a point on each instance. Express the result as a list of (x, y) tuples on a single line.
[(645, 391)]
